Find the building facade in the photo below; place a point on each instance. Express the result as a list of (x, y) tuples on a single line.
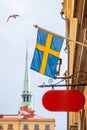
[(74, 12), (21, 122), (26, 119)]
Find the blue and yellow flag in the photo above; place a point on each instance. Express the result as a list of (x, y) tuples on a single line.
[(46, 53)]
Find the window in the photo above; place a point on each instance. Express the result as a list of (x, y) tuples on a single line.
[(24, 99), (1, 126), (25, 127), (47, 127), (27, 98), (36, 127), (73, 128), (10, 126), (75, 8), (86, 35), (85, 11)]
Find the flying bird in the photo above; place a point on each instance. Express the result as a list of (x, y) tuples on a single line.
[(12, 16)]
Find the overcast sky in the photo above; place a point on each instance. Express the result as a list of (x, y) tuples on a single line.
[(13, 37)]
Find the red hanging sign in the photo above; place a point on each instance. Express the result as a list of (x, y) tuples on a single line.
[(63, 100)]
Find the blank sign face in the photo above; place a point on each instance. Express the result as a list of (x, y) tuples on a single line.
[(63, 100)]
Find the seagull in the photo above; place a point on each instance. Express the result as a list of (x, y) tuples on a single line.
[(12, 16)]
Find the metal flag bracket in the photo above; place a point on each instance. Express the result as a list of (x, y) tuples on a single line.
[(78, 79)]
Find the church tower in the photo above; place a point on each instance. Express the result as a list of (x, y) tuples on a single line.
[(26, 119), (27, 104)]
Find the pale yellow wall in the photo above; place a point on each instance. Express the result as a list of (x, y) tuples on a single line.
[(68, 8), (85, 94), (71, 34), (75, 60), (18, 125), (5, 124), (73, 117)]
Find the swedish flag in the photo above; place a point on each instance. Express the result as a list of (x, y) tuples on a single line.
[(46, 53)]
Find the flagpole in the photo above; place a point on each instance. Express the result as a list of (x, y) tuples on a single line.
[(57, 35)]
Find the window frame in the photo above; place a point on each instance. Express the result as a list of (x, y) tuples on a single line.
[(47, 126), (36, 126), (1, 126), (25, 126), (10, 126)]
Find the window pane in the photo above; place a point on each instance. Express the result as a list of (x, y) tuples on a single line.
[(36, 127), (47, 126), (25, 126), (10, 126), (1, 126)]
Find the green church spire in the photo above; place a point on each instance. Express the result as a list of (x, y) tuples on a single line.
[(26, 94)]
